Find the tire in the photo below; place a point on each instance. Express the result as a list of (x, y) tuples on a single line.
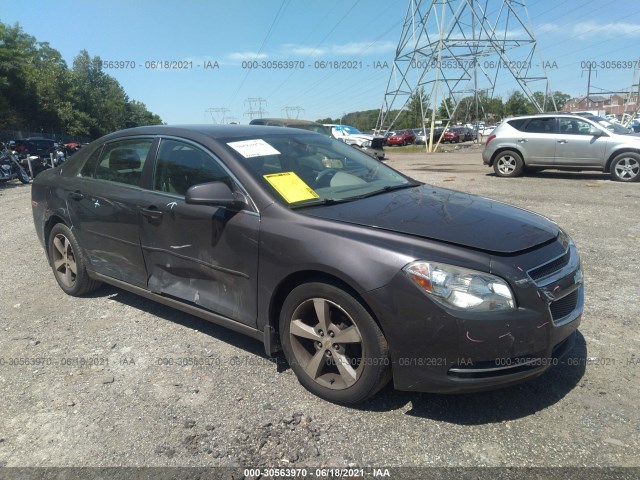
[(626, 167), (314, 317), (508, 164), (65, 256), (23, 176)]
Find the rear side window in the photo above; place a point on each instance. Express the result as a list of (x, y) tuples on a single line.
[(517, 123), (123, 161), (541, 125), (89, 167)]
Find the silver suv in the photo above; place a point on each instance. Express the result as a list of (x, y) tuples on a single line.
[(563, 142)]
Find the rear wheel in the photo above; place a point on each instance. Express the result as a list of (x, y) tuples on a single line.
[(333, 345), (68, 263), (508, 164), (626, 167)]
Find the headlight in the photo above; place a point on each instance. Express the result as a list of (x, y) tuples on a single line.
[(461, 288), (366, 144)]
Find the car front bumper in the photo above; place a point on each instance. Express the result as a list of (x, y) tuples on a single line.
[(442, 351)]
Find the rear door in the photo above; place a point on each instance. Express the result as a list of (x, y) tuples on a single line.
[(537, 141), (203, 255), (103, 207)]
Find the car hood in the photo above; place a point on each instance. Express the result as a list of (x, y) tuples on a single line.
[(447, 216), (360, 136)]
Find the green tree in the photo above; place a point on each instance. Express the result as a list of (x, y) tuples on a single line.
[(517, 104), (39, 92)]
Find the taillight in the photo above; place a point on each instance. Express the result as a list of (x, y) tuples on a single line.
[(491, 137)]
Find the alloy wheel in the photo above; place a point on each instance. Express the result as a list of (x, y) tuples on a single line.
[(64, 261), (326, 343), (507, 164), (627, 168)]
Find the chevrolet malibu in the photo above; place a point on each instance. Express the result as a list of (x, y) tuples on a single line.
[(356, 272)]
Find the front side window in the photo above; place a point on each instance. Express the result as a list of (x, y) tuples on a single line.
[(573, 126), (123, 161), (181, 165)]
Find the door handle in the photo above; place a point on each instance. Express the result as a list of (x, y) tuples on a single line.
[(563, 141), (76, 195), (523, 140), (152, 213)]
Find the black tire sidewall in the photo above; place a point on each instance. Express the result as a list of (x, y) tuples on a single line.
[(23, 176), (376, 358)]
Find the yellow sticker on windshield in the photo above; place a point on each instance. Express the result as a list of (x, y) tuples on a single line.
[(291, 187)]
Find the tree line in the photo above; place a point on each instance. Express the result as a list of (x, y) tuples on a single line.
[(39, 92), (485, 109)]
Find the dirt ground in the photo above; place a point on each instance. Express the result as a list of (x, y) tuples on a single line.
[(113, 380)]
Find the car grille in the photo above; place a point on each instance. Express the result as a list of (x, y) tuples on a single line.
[(563, 307), (550, 268)]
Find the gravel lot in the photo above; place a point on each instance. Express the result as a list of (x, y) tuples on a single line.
[(133, 404)]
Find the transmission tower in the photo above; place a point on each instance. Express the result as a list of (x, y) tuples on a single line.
[(292, 112), (217, 114), (451, 49), (255, 109), (633, 96)]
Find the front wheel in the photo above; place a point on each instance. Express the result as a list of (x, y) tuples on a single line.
[(332, 343), (508, 164), (626, 167), (23, 176), (68, 263)]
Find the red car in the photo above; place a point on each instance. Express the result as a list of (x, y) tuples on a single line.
[(402, 137), (451, 137)]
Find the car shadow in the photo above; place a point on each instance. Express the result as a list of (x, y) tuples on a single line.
[(566, 175), (164, 312), (465, 409), (493, 406)]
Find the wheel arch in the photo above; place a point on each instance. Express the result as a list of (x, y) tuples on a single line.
[(51, 222), (298, 278), (505, 149)]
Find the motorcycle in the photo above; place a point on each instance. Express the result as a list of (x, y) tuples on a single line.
[(10, 168)]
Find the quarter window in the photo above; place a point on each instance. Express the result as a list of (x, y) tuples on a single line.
[(180, 166), (123, 161)]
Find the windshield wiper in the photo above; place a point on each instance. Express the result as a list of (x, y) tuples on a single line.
[(324, 202), (388, 188)]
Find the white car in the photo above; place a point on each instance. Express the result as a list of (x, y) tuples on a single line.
[(354, 137)]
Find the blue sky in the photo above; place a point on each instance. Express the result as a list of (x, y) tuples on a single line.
[(569, 33)]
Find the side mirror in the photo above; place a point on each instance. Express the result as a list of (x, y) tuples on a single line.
[(216, 194), (596, 132)]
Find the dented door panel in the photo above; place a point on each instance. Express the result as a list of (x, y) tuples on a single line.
[(207, 256)]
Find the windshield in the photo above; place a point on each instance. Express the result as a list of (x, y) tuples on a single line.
[(351, 130), (310, 169), (612, 127)]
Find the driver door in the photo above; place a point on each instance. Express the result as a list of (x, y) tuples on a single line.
[(203, 255)]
